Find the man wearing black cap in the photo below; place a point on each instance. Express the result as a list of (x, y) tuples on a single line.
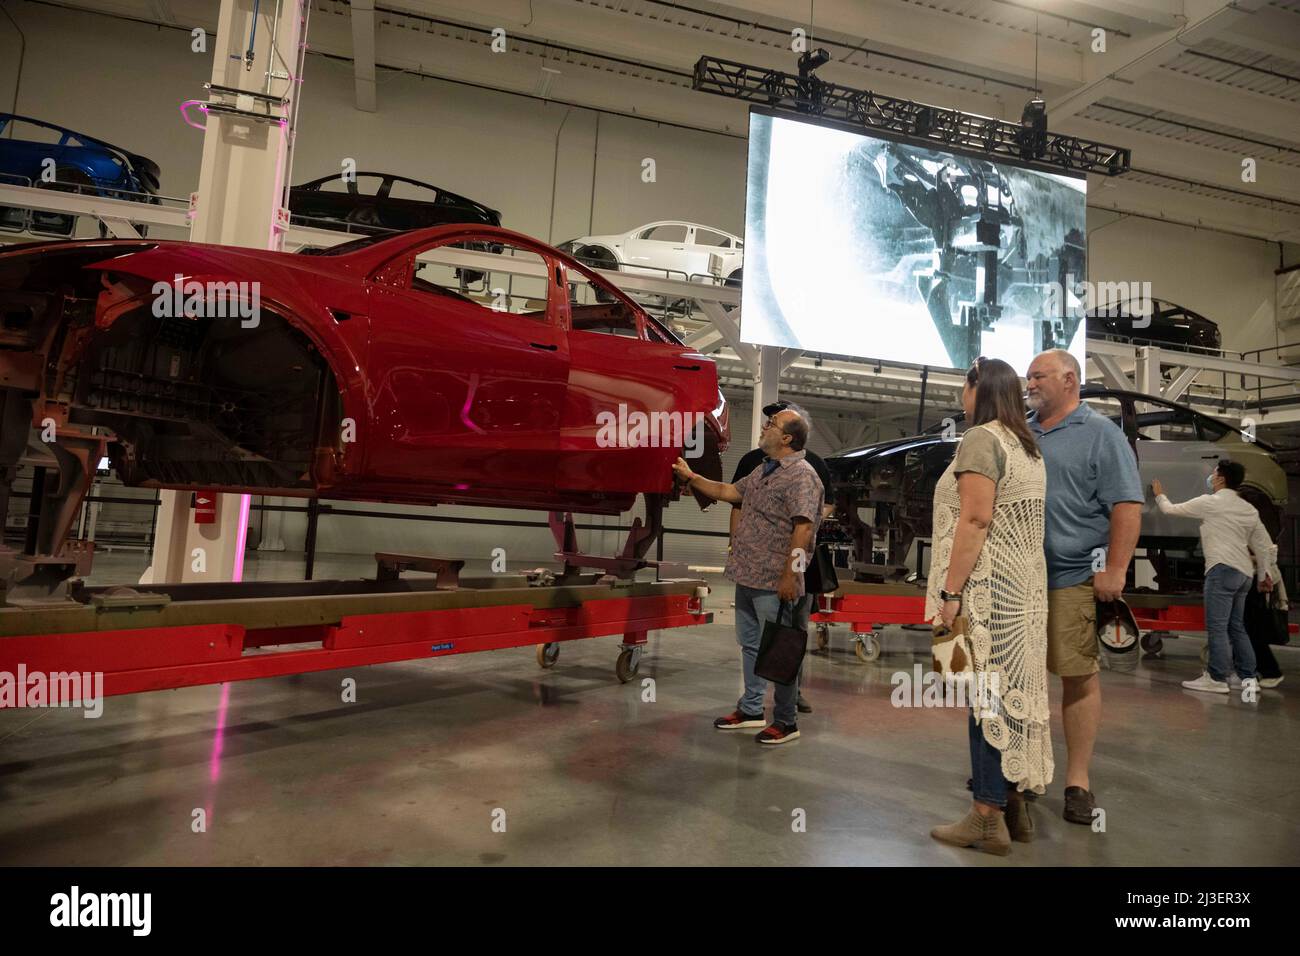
[(750, 461), (776, 534)]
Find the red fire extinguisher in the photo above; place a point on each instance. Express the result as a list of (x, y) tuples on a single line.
[(204, 504)]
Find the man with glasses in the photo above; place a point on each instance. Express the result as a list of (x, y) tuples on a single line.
[(773, 542), (748, 462)]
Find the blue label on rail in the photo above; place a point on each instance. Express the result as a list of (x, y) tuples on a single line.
[(442, 647)]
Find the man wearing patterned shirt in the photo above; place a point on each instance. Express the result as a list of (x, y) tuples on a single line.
[(754, 459), (770, 549)]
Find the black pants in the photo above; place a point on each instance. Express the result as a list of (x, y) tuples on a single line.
[(1261, 625)]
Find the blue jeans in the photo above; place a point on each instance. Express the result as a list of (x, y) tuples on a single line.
[(986, 780), (754, 608), (1225, 622)]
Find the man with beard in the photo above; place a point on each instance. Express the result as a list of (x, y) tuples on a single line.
[(748, 462), (1093, 519), (782, 503)]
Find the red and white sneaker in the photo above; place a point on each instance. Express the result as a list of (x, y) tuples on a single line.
[(738, 720), (778, 733)]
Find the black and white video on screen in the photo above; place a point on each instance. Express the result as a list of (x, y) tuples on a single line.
[(865, 246)]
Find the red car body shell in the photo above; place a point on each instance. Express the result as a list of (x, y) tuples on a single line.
[(451, 402)]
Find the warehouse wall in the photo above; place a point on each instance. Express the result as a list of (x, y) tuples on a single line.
[(1228, 279), (555, 172), (124, 82)]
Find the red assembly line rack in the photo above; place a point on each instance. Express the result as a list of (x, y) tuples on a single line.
[(190, 634), (866, 607)]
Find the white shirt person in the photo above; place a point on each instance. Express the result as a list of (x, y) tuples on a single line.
[(1230, 531)]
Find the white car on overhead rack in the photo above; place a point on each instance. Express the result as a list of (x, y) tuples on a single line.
[(671, 248)]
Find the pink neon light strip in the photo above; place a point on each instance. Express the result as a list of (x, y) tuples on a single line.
[(469, 400), (245, 504), (219, 738), (186, 116)]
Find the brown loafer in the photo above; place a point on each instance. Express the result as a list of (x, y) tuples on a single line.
[(1079, 804), (1019, 824)]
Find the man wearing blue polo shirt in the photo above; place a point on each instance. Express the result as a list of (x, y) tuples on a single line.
[(1093, 518)]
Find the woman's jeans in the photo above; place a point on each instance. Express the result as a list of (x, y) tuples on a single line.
[(1225, 622), (987, 782)]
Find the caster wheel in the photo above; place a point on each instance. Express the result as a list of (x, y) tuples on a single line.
[(823, 637), (867, 647), (628, 663), (1152, 642), (547, 655)]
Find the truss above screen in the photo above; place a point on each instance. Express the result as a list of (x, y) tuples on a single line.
[(916, 122)]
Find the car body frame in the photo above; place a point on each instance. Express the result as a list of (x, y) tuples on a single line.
[(360, 379), (885, 490), (1155, 321), (376, 210), (673, 248), (76, 161)]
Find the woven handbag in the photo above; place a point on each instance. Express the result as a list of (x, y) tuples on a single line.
[(950, 650)]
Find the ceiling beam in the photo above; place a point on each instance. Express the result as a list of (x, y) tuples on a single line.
[(1190, 161), (162, 10), (1128, 197), (1271, 30), (1113, 72), (911, 28), (1217, 103), (655, 42), (1161, 13), (363, 52)]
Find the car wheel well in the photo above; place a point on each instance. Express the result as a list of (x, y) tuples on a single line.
[(207, 401), (597, 255)]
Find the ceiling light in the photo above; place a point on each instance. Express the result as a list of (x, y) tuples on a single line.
[(1032, 138)]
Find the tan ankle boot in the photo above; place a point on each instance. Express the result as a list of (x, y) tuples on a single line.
[(1019, 824), (984, 833)]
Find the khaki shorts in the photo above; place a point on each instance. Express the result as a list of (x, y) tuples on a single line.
[(1072, 646)]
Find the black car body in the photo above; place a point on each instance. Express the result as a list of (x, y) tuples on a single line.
[(367, 204), (1166, 323), (884, 491)]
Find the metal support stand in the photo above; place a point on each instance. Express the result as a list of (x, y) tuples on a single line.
[(630, 560)]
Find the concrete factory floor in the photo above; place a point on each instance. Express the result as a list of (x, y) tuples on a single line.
[(586, 771)]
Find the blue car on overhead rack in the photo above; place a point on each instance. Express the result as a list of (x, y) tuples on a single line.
[(31, 151)]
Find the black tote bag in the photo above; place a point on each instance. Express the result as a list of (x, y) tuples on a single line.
[(1263, 621), (821, 576), (781, 650)]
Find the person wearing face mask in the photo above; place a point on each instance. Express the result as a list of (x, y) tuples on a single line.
[(1237, 549)]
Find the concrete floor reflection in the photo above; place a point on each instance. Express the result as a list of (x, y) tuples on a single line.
[(487, 759)]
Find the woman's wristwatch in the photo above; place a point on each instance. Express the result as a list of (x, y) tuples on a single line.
[(947, 596)]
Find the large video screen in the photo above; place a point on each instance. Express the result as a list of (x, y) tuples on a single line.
[(864, 246)]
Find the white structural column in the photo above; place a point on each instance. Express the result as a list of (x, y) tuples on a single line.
[(241, 191), (363, 52), (767, 378), (1147, 380)]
